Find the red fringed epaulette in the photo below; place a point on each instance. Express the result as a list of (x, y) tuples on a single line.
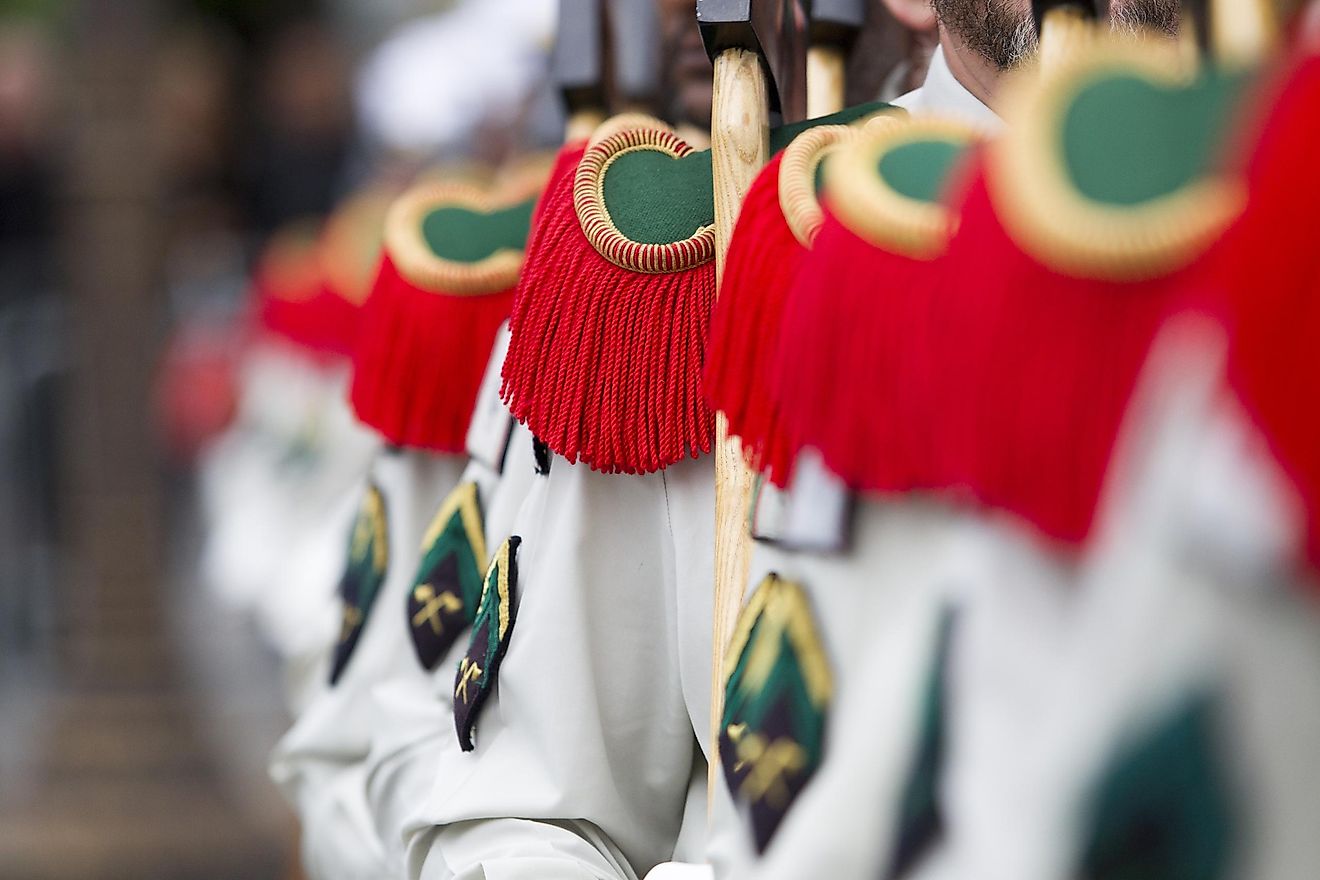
[(777, 226), (445, 285), (1009, 383), (351, 243), (1065, 268), (854, 380), (1037, 369), (1272, 265), (608, 331), (293, 301), (762, 260)]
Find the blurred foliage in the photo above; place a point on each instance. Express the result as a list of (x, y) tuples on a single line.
[(44, 9)]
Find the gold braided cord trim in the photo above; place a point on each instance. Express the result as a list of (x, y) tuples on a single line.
[(1034, 196), (781, 607), (466, 502), (370, 530), (875, 211), (470, 171), (624, 122), (797, 178), (743, 629), (499, 568), (419, 265), (599, 228), (798, 200)]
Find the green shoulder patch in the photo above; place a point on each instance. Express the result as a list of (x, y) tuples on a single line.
[(776, 697), (454, 238), (921, 816), (445, 593), (1114, 167), (887, 185), (368, 563), (479, 668), (1161, 809), (645, 198)]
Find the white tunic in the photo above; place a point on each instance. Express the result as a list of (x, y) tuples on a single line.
[(320, 762), (586, 751), (901, 553), (411, 711), (1057, 667)]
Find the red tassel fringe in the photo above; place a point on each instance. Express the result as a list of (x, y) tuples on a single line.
[(420, 361), (605, 364), (324, 323), (763, 261), (996, 379), (1039, 370), (855, 382), (1273, 268), (292, 299)]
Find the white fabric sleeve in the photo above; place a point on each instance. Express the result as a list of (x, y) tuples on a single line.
[(681, 871), (877, 608), (586, 737), (300, 615), (517, 849), (295, 451), (318, 763), (412, 715)]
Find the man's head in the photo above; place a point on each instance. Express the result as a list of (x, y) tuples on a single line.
[(1002, 34)]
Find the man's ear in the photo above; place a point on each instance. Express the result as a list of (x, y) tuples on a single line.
[(915, 15)]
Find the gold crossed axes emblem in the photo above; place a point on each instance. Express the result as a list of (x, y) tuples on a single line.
[(352, 619), (468, 673), (433, 606), (770, 764)]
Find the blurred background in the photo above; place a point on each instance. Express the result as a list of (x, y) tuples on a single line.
[(147, 149)]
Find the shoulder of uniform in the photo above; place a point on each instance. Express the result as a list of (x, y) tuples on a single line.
[(887, 184), (1112, 165), (457, 237), (645, 196)]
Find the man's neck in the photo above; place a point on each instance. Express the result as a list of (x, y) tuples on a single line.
[(973, 72)]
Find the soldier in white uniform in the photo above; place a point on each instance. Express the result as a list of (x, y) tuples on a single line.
[(983, 699), (843, 567), (410, 708), (431, 322), (280, 486), (575, 752)]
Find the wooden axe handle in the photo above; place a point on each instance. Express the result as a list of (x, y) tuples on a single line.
[(740, 146), (1242, 33), (825, 80), (748, 40), (1061, 26), (1041, 10), (833, 26)]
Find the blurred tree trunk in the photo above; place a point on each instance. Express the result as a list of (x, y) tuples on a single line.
[(112, 257)]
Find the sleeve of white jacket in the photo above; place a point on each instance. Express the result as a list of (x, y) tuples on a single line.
[(412, 715), (585, 748), (319, 762)]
